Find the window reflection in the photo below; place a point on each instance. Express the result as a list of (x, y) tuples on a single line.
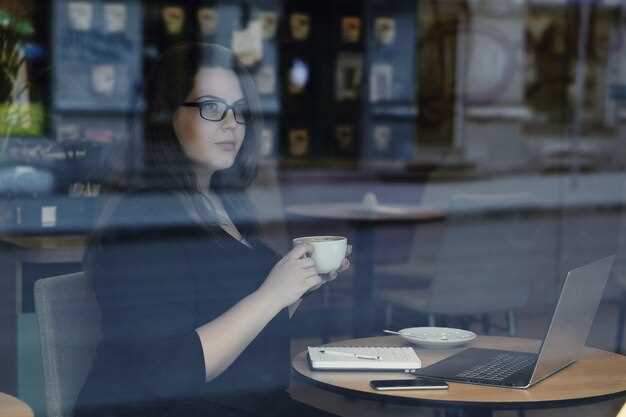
[(372, 120)]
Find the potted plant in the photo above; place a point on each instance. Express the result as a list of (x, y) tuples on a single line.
[(18, 115)]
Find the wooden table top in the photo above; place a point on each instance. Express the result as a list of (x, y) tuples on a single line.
[(47, 249), (359, 212), (12, 407), (598, 374), (46, 242)]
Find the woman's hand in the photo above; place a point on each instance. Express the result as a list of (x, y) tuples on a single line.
[(292, 276), (345, 265)]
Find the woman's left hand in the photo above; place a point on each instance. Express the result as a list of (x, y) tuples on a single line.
[(345, 264), (331, 276)]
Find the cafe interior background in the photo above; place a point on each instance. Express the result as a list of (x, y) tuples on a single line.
[(505, 118)]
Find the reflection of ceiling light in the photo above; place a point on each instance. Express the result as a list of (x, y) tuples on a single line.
[(498, 7), (299, 73)]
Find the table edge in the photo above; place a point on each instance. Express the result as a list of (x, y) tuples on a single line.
[(506, 404), (427, 402)]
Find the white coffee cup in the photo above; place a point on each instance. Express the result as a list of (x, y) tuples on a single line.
[(328, 251)]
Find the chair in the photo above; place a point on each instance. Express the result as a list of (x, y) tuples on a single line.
[(418, 270), (70, 330), (482, 267), (619, 273)]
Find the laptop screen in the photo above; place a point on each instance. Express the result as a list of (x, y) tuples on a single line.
[(573, 316)]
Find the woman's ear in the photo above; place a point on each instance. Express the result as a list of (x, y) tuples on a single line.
[(176, 121)]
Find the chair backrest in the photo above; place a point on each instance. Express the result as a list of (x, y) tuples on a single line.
[(70, 330), (485, 261)]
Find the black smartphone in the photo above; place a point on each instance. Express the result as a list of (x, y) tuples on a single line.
[(402, 384)]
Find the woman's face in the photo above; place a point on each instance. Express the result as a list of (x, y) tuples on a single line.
[(211, 144)]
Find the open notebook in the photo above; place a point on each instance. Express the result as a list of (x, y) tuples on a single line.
[(371, 358)]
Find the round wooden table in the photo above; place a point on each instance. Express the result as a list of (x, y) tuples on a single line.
[(12, 407), (598, 375)]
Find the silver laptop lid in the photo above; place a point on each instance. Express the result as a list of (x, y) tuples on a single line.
[(572, 319)]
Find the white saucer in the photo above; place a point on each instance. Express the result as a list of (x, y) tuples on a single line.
[(437, 337)]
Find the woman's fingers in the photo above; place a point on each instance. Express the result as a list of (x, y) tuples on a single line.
[(345, 264), (306, 263), (300, 250), (314, 280)]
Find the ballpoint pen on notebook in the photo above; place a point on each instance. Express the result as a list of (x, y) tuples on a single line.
[(351, 355)]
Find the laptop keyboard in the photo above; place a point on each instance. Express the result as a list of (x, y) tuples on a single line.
[(498, 368)]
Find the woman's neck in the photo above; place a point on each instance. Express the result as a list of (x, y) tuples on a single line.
[(203, 178)]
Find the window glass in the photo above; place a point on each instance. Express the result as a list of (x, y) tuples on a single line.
[(448, 162)]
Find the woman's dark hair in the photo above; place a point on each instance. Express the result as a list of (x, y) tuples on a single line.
[(166, 167)]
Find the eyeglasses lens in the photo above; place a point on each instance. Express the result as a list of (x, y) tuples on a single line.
[(241, 113), (216, 111), (212, 110)]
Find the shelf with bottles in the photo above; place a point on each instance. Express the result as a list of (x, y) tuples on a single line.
[(348, 25), (96, 55), (299, 61), (348, 48), (389, 105), (250, 30), (245, 27), (391, 53), (300, 24)]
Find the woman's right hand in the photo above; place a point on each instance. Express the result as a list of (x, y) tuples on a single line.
[(292, 276)]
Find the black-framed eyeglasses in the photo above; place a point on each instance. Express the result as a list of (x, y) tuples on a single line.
[(215, 110)]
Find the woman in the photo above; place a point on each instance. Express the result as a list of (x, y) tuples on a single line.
[(194, 305)]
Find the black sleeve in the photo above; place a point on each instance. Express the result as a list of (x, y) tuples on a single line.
[(145, 294)]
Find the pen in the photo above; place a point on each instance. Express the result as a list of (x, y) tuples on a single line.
[(352, 355)]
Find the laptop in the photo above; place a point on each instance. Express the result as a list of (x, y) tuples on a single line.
[(563, 344)]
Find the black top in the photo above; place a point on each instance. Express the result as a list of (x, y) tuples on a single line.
[(155, 287)]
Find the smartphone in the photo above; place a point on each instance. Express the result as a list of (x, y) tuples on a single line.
[(402, 384)]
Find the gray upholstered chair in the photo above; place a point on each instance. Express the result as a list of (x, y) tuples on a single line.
[(484, 264), (70, 330)]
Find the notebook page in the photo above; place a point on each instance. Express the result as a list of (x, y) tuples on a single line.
[(392, 358)]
